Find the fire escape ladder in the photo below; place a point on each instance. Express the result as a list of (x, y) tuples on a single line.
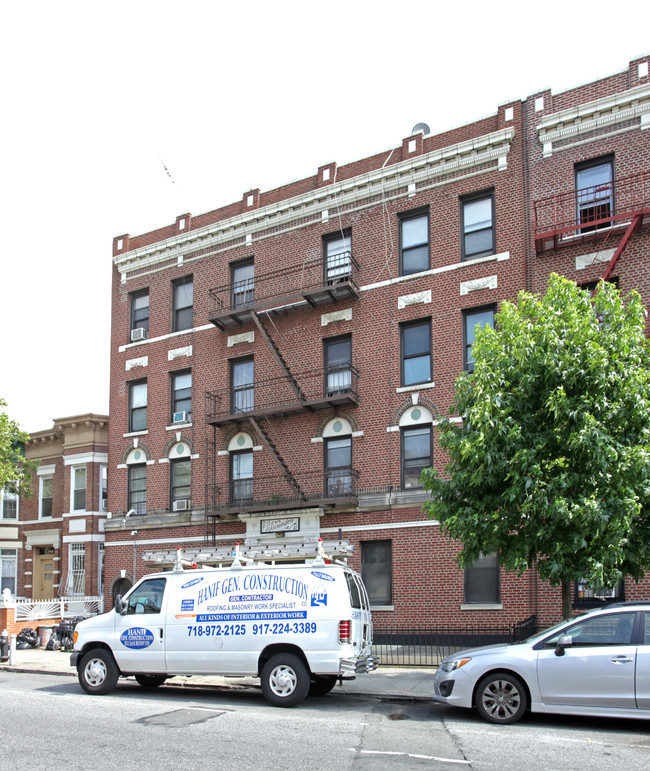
[(278, 356), (275, 453), (632, 228)]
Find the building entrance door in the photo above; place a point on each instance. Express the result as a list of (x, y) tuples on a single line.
[(43, 583)]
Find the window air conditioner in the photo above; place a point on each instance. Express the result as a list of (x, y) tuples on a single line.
[(182, 505), (180, 417), (140, 333)]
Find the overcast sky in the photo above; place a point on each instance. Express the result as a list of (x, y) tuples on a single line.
[(96, 97)]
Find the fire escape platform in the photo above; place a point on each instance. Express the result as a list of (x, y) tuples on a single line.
[(287, 408)]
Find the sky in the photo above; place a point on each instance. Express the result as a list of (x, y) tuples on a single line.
[(98, 98)]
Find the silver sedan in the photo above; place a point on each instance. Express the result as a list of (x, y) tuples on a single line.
[(598, 664)]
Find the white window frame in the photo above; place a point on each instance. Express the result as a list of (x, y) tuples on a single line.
[(41, 481), (76, 569), (103, 475), (101, 553), (73, 470), (3, 493), (7, 557)]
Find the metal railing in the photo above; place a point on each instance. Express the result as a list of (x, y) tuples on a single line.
[(579, 212), (327, 384), (277, 492), (59, 607), (307, 277), (428, 646)]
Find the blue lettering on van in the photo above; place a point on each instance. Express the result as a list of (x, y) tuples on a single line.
[(259, 616), (136, 637), (187, 605), (318, 598), (323, 576), (192, 582), (250, 597)]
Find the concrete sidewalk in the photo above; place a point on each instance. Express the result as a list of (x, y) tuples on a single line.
[(385, 682)]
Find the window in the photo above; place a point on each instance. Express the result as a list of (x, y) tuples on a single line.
[(183, 291), (138, 406), (338, 467), (78, 488), (472, 319), (613, 629), (482, 581), (414, 243), (8, 504), (588, 596), (138, 488), (181, 396), (477, 217), (377, 571), (103, 488), (338, 257), (416, 455), (338, 361), (416, 352), (242, 390), (148, 597), (140, 314), (242, 281), (241, 478), (181, 481), (8, 570), (45, 502), (101, 552), (595, 193), (76, 569)]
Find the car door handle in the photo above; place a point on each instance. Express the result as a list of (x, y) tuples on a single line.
[(622, 660)]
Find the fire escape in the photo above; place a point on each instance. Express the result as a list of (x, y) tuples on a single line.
[(262, 404), (601, 214)]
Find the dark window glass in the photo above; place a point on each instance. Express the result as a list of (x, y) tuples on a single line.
[(483, 317), (46, 497), (138, 488), (416, 353), (588, 596), (338, 258), (242, 280), (182, 394), (8, 504), (416, 455), (183, 304), (140, 311), (482, 581), (477, 214), (148, 597), (338, 359), (138, 406), (241, 476), (242, 390), (414, 244), (79, 492), (181, 480), (613, 629), (377, 571), (595, 193), (338, 465)]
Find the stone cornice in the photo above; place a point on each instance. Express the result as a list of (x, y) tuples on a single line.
[(601, 113), (417, 171)]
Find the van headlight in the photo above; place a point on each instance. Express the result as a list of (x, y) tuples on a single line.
[(450, 664)]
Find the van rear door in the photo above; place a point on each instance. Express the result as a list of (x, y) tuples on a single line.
[(361, 633)]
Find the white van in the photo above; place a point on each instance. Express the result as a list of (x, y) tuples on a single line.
[(299, 628)]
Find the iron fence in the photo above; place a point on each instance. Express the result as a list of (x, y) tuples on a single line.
[(428, 646)]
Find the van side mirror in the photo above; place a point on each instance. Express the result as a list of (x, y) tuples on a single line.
[(120, 605), (563, 641)]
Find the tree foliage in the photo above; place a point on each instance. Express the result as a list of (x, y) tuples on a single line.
[(15, 470), (551, 463)]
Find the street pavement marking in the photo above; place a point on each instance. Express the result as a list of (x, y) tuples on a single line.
[(413, 755)]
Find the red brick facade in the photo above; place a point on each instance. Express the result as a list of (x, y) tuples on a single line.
[(525, 152)]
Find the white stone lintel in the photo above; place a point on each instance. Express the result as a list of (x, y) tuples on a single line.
[(329, 318), (143, 361), (414, 299), (244, 337), (487, 282)]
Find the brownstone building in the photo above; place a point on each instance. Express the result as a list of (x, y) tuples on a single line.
[(279, 365)]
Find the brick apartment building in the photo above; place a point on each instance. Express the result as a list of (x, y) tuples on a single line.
[(279, 365), (52, 544)]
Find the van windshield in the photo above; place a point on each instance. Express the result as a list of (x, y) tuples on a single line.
[(353, 589)]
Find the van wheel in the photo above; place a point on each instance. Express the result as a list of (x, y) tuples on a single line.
[(285, 680), (322, 685), (98, 673), (150, 681)]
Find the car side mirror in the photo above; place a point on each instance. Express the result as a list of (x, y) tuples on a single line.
[(120, 605), (563, 641)]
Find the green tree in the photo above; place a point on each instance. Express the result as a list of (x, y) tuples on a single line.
[(15, 470), (551, 463)]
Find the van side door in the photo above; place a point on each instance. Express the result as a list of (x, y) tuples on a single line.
[(139, 644)]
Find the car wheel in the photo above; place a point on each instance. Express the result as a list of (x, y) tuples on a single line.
[(501, 698), (285, 680), (322, 685), (150, 681), (98, 673)]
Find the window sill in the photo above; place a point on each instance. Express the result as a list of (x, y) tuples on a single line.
[(377, 608), (178, 426), (414, 387), (482, 606), (135, 433)]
